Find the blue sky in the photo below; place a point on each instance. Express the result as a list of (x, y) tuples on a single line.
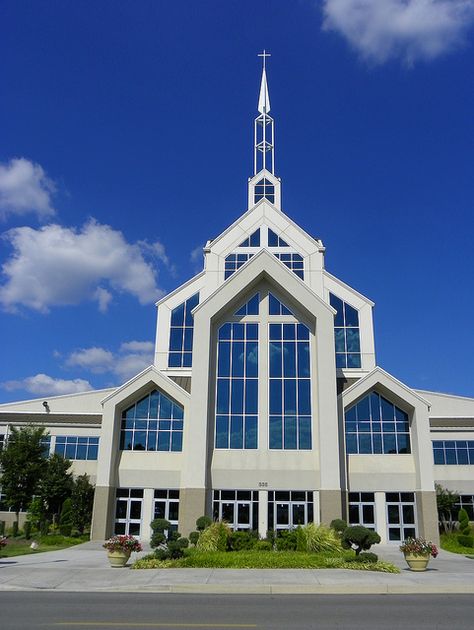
[(126, 143)]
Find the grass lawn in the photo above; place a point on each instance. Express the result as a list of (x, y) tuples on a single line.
[(449, 542), (263, 560), (19, 546)]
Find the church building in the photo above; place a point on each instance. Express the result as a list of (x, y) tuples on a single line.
[(265, 406)]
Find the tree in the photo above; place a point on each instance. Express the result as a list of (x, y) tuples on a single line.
[(359, 538), (65, 520), (22, 466), (446, 501), (55, 485), (82, 500)]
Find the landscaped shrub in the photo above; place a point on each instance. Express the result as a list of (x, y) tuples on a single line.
[(466, 541), (286, 540), (359, 538), (242, 540), (168, 542), (27, 530), (263, 545), (338, 525), (15, 528), (193, 538), (300, 539), (464, 526), (214, 537), (159, 526), (203, 522), (367, 556), (44, 527), (321, 538)]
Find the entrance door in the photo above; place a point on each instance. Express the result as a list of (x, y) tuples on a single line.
[(401, 521), (128, 511)]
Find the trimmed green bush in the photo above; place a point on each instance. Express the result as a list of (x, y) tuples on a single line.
[(27, 530), (321, 538), (464, 526), (300, 539), (367, 556), (202, 522), (359, 538), (193, 538), (263, 545), (466, 541), (214, 537), (159, 526), (286, 540), (242, 540), (338, 525), (65, 520)]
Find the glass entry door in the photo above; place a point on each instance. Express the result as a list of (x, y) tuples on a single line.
[(401, 521), (128, 511)]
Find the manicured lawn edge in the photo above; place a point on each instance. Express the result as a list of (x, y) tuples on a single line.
[(449, 542), (21, 546)]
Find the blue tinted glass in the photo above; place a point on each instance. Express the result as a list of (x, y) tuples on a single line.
[(438, 456), (151, 444), (289, 331), (252, 305), (236, 432), (241, 311), (223, 360), (353, 361), (437, 444), (165, 407), (272, 238), (187, 359), (178, 412), (364, 427), (223, 395), (59, 448), (275, 332), (289, 359), (375, 406), (251, 396), (255, 239), (139, 441), (388, 411), (450, 456), (252, 331), (353, 341), (165, 425), (275, 396), (231, 258), (238, 331), (365, 444), (225, 331), (174, 359), (245, 243), (400, 415), (340, 339), (238, 358), (388, 427), (177, 425), (273, 305), (352, 316), (222, 432), (228, 273), (289, 396), (275, 359), (126, 439), (81, 451), (290, 432), (351, 443), (302, 332), (276, 432), (237, 396), (71, 451), (140, 424), (337, 304), (303, 360), (251, 432), (142, 408), (299, 273), (177, 316), (403, 443), (153, 425), (341, 360), (285, 310), (389, 443), (164, 440), (377, 442), (177, 441), (351, 415), (304, 397), (251, 360), (304, 437), (92, 452), (363, 412), (154, 400), (188, 339), (193, 301)]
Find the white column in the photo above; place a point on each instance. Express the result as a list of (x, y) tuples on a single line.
[(147, 513), (380, 516), (316, 508), (262, 513)]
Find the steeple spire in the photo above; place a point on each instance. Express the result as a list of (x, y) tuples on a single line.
[(264, 133)]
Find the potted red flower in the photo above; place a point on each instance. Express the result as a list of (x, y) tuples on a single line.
[(120, 547), (417, 552)]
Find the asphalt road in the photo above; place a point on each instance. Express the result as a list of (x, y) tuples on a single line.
[(96, 611)]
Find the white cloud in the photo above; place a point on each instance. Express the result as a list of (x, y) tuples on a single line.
[(24, 188), (44, 385), (196, 258), (407, 29), (58, 266), (131, 358)]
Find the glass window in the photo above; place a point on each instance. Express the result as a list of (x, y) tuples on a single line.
[(287, 510), (453, 452), (294, 262), (249, 308), (264, 188), (346, 334), (365, 434), (252, 241), (154, 423), (238, 507), (234, 262), (274, 240), (75, 448), (181, 334)]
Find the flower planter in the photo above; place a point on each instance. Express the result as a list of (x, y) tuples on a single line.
[(417, 562), (118, 558)]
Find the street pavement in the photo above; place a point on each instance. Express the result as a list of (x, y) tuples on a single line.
[(85, 568)]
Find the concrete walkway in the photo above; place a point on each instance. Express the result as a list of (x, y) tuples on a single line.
[(85, 568)]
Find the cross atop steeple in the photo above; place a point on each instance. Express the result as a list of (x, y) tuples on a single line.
[(264, 130)]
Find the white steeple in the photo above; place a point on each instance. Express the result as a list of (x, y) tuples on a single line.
[(264, 133)]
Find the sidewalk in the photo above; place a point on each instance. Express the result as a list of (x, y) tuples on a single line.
[(85, 568)]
